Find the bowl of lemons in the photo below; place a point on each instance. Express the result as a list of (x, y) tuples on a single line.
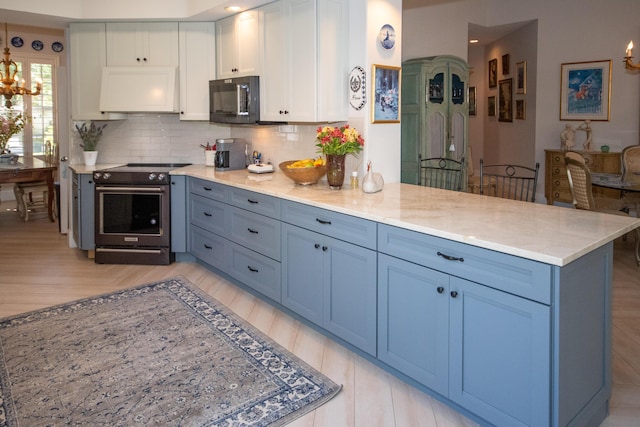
[(305, 171)]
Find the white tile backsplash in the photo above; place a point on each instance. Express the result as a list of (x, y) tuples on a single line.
[(164, 138)]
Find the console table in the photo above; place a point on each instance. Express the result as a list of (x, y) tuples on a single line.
[(30, 169), (556, 184)]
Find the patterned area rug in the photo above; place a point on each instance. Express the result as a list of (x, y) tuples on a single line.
[(160, 354)]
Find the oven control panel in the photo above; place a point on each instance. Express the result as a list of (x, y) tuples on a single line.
[(101, 177)]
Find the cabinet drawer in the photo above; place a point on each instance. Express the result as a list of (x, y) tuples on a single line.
[(256, 232), (208, 214), (207, 247), (255, 202), (518, 276), (354, 230), (255, 270), (208, 189)]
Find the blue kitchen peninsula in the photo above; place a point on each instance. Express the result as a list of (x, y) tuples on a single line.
[(501, 309)]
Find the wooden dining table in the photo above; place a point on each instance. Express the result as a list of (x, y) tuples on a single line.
[(612, 180), (31, 169)]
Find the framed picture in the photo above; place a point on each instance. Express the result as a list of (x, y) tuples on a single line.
[(493, 73), (521, 78), (386, 94), (472, 100), (491, 106), (521, 109), (585, 90), (505, 64), (505, 100)]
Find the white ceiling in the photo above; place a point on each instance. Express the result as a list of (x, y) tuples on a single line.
[(214, 10)]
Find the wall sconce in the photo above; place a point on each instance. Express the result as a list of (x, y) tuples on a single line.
[(628, 56)]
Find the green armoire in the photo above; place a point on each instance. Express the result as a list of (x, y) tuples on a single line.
[(434, 112)]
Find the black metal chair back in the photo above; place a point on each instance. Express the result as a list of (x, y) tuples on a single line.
[(440, 172), (514, 182)]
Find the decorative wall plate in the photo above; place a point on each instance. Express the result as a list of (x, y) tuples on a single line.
[(57, 47), (37, 45), (357, 88), (17, 41), (387, 36)]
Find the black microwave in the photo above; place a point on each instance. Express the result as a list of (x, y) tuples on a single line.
[(235, 100)]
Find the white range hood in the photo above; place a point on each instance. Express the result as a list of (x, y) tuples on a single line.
[(139, 89)]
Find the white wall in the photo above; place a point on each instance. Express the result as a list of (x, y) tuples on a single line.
[(568, 31)]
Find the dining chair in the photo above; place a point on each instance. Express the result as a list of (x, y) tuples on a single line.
[(515, 182), (579, 178), (630, 159), (440, 172)]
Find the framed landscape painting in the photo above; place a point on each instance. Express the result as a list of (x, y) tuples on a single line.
[(585, 90)]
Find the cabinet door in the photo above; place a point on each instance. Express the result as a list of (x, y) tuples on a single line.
[(138, 44), (238, 45), (197, 67), (350, 293), (500, 355), (413, 321), (225, 47), (248, 43), (87, 44), (301, 62), (273, 87), (87, 206), (302, 270), (179, 218)]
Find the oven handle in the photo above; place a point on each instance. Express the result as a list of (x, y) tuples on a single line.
[(149, 189)]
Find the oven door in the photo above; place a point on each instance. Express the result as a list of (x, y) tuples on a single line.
[(132, 216)]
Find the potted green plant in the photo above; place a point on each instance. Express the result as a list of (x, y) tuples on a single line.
[(90, 135)]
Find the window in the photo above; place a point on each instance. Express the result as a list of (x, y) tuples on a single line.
[(42, 126)]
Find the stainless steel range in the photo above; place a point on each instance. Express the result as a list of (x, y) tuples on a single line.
[(132, 214)]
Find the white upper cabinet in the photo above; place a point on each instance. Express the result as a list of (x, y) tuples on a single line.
[(197, 67), (88, 57), (238, 45), (304, 57), (132, 44)]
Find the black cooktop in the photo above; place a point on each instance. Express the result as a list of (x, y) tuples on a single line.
[(147, 167)]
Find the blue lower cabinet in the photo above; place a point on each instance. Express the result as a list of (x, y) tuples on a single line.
[(487, 350), (500, 353), (331, 283), (413, 321), (208, 247), (255, 270)]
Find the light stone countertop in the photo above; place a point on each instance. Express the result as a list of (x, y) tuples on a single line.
[(550, 234)]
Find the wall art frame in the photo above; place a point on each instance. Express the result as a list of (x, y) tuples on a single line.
[(521, 77), (505, 100), (493, 73), (521, 109), (506, 64), (472, 100), (491, 106), (385, 107), (585, 90)]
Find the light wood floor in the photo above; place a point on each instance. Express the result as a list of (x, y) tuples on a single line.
[(37, 269)]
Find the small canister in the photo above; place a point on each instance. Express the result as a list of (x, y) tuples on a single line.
[(209, 157)]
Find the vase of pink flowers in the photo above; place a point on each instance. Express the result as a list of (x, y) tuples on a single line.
[(10, 124)]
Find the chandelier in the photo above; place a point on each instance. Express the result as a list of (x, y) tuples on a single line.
[(8, 70)]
